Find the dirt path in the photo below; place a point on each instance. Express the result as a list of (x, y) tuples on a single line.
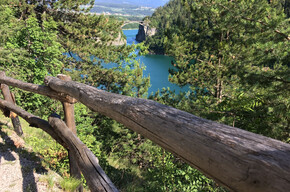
[(20, 169)]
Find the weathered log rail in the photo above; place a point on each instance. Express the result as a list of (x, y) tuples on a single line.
[(237, 159), (39, 89)]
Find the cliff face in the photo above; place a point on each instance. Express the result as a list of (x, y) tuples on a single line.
[(145, 31)]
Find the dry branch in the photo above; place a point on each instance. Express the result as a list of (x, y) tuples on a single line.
[(240, 160), (39, 89), (96, 178)]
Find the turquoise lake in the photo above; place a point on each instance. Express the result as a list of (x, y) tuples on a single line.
[(156, 66)]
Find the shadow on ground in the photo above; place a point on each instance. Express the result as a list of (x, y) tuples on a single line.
[(29, 162)]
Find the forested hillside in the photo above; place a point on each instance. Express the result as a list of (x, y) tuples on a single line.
[(121, 9), (234, 55), (147, 3), (41, 38)]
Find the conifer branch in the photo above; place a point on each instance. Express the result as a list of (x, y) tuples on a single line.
[(277, 79), (287, 37)]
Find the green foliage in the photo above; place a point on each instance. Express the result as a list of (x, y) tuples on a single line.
[(36, 36), (70, 184), (168, 173), (39, 33), (30, 48), (50, 178), (169, 20), (234, 56), (54, 155)]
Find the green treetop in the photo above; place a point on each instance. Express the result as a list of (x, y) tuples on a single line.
[(39, 34), (235, 57)]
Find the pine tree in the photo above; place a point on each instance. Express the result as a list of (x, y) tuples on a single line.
[(45, 38), (234, 56)]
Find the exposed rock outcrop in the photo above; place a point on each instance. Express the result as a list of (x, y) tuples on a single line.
[(145, 31)]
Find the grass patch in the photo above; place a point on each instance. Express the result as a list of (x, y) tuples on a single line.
[(70, 184), (39, 143), (51, 179), (53, 155)]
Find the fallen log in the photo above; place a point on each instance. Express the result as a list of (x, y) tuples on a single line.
[(87, 162), (238, 159)]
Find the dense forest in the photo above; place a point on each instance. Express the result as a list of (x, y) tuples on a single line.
[(233, 54)]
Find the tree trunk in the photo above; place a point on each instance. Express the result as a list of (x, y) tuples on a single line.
[(219, 85)]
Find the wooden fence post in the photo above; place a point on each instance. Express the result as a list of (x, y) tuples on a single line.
[(95, 176), (70, 122), (8, 96)]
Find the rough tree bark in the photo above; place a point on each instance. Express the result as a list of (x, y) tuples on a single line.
[(40, 89), (14, 118), (33, 120), (69, 118), (238, 159)]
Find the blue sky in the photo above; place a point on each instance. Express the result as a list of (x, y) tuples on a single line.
[(148, 3)]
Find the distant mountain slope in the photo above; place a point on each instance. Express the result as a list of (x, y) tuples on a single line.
[(121, 9), (147, 3)]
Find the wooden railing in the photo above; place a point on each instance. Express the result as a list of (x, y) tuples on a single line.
[(238, 159)]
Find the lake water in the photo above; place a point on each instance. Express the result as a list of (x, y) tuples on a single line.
[(156, 66)]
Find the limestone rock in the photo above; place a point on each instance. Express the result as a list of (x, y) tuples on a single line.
[(145, 31)]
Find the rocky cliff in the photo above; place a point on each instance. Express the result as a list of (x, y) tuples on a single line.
[(145, 31)]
